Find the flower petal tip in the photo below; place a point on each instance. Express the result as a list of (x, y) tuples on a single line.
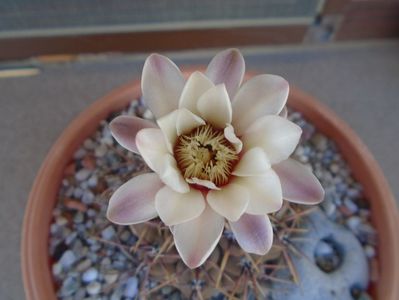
[(298, 183), (125, 128), (195, 240), (133, 202), (161, 84), (254, 233), (227, 67)]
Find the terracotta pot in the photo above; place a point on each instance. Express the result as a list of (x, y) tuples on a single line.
[(36, 269)]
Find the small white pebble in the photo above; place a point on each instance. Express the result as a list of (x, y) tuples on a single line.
[(131, 287), (93, 288), (108, 233), (111, 277), (57, 269), (90, 275), (82, 174), (67, 259), (370, 251)]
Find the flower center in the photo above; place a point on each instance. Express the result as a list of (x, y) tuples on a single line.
[(206, 154)]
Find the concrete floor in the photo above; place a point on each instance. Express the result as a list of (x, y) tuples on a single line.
[(360, 82)]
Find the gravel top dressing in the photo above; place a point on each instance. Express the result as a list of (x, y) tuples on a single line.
[(324, 252)]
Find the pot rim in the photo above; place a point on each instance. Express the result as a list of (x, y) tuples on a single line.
[(36, 272)]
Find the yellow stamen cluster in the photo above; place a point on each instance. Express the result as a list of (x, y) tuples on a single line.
[(206, 154)]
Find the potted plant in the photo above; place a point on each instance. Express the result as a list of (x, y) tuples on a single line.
[(35, 258)]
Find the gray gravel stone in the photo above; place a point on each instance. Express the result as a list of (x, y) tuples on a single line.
[(80, 153), (69, 286), (108, 233), (131, 288), (68, 258), (77, 192), (83, 265), (111, 276), (71, 237), (57, 269), (89, 144), (93, 181), (80, 294), (78, 218), (61, 221), (100, 151), (82, 174), (93, 288), (88, 197), (90, 275), (370, 251)]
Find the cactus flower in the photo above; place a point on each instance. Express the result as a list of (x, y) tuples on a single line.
[(219, 151)]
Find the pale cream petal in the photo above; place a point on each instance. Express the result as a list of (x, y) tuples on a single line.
[(253, 162), (152, 147), (261, 95), (232, 138), (298, 183), (227, 67), (171, 175), (230, 202), (125, 128), (265, 194), (253, 233), (187, 121), (196, 85), (133, 202), (215, 107), (205, 183), (196, 239), (168, 126), (277, 136), (175, 208), (162, 84)]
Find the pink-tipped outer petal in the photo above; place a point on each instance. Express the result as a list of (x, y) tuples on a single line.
[(253, 233), (261, 95), (253, 162), (298, 183), (277, 136), (230, 201), (175, 208), (161, 84), (196, 239), (215, 107), (125, 128), (196, 85), (227, 67), (134, 201)]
